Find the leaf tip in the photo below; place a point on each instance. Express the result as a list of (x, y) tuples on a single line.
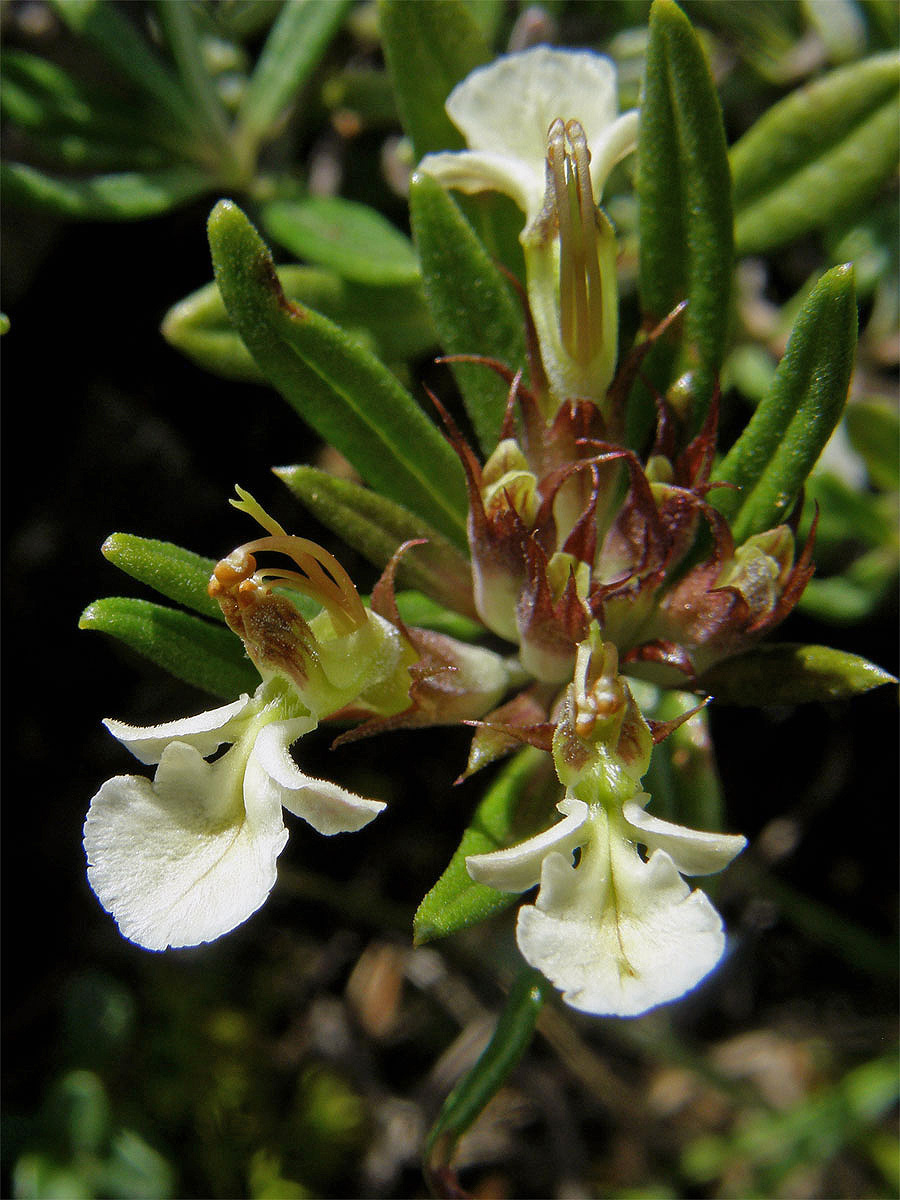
[(223, 210), (90, 616), (111, 546)]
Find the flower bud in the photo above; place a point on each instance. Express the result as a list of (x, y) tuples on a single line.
[(602, 743)]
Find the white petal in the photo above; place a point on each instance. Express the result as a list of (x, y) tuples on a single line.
[(617, 935), (272, 777), (693, 851), (610, 147), (519, 867), (178, 861), (476, 171), (205, 732), (508, 106)]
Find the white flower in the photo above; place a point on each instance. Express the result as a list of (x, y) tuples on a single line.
[(187, 857), (617, 934), (505, 111), (541, 127)]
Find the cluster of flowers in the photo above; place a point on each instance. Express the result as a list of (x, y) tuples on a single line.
[(574, 545)]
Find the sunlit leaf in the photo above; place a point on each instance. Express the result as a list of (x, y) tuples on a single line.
[(874, 430), (857, 592), (473, 308), (771, 459), (117, 38), (514, 807), (291, 52), (429, 49), (125, 196), (824, 148), (684, 190), (346, 394), (393, 322), (788, 673), (176, 573), (352, 239), (509, 1041), (207, 656)]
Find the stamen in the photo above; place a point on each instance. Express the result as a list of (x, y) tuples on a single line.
[(556, 172), (590, 316), (323, 578), (252, 507)]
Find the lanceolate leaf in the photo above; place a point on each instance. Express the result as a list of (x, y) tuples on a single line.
[(773, 456), (509, 1041), (180, 26), (345, 393), (113, 34), (684, 190), (874, 430), (173, 571), (393, 321), (429, 48), (208, 656), (354, 240), (293, 48), (857, 592), (127, 196), (823, 149), (376, 527), (511, 811), (786, 673), (40, 96), (471, 304)]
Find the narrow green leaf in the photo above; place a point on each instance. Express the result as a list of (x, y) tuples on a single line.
[(346, 394), (392, 321), (125, 196), (874, 430), (771, 459), (684, 190), (509, 1041), (471, 303), (352, 239), (418, 609), (857, 592), (180, 28), (514, 807), (824, 148), (292, 50), (81, 124), (176, 573), (429, 48), (789, 673), (376, 527), (245, 18), (204, 655), (37, 93), (118, 39), (841, 26)]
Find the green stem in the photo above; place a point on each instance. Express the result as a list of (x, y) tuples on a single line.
[(470, 1096)]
